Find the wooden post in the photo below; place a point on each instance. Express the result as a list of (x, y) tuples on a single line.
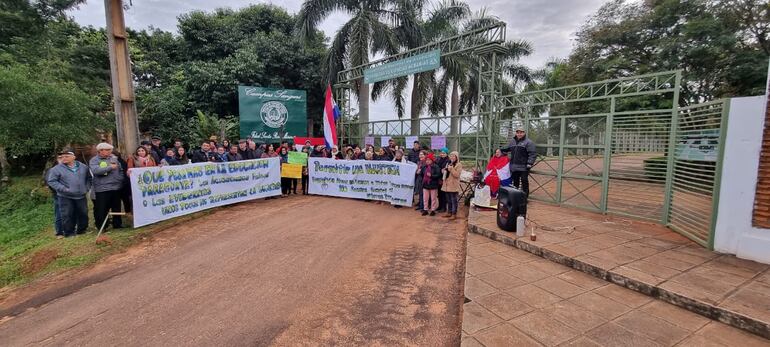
[(126, 120)]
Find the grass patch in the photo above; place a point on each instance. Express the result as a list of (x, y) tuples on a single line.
[(28, 247)]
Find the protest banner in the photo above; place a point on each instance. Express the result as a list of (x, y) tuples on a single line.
[(298, 158), (437, 142), (165, 192), (384, 141), (291, 170), (363, 179)]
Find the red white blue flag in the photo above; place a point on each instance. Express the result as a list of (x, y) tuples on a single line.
[(331, 114)]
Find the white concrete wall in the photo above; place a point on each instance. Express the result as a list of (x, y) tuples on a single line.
[(734, 233)]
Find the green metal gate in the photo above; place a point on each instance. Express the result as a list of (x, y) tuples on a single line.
[(624, 146)]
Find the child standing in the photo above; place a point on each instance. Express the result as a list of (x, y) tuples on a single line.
[(431, 175)]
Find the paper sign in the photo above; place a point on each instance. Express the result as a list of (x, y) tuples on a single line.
[(410, 141), (437, 142), (291, 170), (384, 141), (369, 140), (299, 158)]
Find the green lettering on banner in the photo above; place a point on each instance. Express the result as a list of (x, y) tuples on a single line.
[(408, 66), (299, 158)]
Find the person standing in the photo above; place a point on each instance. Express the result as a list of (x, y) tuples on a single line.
[(414, 153), (285, 181), (169, 159), (158, 148), (418, 179), (441, 162), (233, 155), (523, 156), (108, 180), (451, 186), (430, 177), (204, 155), (141, 158), (71, 180), (56, 212), (150, 152)]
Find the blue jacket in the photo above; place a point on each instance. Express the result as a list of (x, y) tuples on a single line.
[(70, 183), (105, 178)]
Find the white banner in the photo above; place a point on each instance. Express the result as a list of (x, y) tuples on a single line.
[(363, 179), (166, 192)]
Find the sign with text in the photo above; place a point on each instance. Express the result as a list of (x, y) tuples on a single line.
[(437, 142), (363, 179), (384, 141), (298, 158), (369, 140), (403, 67), (272, 115), (166, 192), (409, 141), (291, 170)]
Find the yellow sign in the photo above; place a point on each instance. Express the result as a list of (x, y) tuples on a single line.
[(291, 170)]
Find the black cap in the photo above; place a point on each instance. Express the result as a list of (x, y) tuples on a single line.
[(67, 150), (145, 142)]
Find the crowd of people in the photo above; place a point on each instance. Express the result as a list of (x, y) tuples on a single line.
[(106, 177)]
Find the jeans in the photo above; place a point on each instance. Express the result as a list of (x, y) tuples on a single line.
[(304, 184), (57, 225), (451, 202), (106, 201), (520, 179), (442, 202), (74, 215), (430, 199), (418, 190)]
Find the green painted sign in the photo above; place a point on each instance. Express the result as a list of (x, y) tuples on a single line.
[(408, 66), (268, 115), (298, 158)]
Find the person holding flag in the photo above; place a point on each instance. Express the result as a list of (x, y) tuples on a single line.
[(331, 114), (497, 173)]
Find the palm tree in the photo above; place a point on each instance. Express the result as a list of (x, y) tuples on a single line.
[(439, 23), (370, 30)]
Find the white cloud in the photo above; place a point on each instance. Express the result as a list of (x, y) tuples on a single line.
[(548, 24)]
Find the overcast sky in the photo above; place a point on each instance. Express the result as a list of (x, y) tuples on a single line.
[(548, 24)]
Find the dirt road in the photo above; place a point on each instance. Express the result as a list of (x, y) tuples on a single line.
[(287, 272)]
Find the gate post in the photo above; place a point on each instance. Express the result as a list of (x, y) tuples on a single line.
[(671, 149), (607, 157)]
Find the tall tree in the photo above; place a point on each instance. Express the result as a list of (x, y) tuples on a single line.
[(369, 31)]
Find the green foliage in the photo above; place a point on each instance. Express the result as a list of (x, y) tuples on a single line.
[(204, 126), (39, 116), (215, 52), (722, 46)]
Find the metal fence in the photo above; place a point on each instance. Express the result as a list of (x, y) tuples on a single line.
[(619, 146)]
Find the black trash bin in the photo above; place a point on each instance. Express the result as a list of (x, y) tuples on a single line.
[(511, 203)]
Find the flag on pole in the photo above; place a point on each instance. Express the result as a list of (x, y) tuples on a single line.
[(331, 114)]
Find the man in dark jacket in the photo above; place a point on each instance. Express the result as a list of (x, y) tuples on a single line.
[(413, 154), (233, 155), (150, 151), (523, 156), (204, 154), (158, 148), (108, 181), (71, 181)]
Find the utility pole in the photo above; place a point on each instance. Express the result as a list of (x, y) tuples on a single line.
[(122, 81)]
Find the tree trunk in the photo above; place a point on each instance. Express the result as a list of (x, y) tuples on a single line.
[(363, 108), (454, 111), (414, 113), (5, 167)]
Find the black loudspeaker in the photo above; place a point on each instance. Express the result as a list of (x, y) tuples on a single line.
[(511, 203)]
